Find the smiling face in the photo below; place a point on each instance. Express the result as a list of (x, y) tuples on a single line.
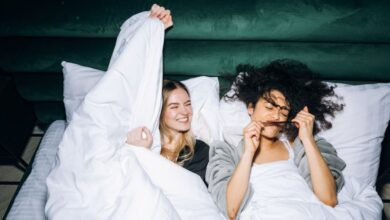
[(273, 107), (177, 112)]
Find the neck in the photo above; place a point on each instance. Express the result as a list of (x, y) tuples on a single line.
[(267, 143), (169, 154), (170, 141)]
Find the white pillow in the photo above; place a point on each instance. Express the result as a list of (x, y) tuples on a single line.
[(359, 129), (78, 80), (357, 132), (204, 92)]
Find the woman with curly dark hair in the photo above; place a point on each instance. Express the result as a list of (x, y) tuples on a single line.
[(283, 98)]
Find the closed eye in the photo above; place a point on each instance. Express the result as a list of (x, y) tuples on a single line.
[(269, 106), (173, 105)]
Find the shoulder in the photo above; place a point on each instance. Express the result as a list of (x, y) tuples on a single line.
[(222, 150), (201, 150), (201, 146)]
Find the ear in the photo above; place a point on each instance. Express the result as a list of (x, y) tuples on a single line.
[(250, 109)]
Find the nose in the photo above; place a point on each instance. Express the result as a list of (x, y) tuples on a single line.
[(184, 110), (276, 114)]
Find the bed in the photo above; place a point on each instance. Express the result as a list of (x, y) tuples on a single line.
[(344, 42)]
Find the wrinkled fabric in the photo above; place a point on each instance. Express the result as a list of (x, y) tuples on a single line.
[(95, 174)]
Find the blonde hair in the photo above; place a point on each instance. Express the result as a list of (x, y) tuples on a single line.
[(187, 140)]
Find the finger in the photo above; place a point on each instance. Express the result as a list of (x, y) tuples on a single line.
[(255, 140), (254, 134), (301, 119), (260, 124), (153, 7), (170, 23), (165, 20), (306, 118), (253, 127), (306, 114), (157, 11), (296, 122), (149, 139), (164, 14), (257, 124), (160, 12), (148, 133), (304, 121), (153, 10), (254, 124), (249, 126), (306, 109), (137, 131), (144, 136)]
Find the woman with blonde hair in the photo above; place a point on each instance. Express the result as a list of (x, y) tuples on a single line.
[(178, 144)]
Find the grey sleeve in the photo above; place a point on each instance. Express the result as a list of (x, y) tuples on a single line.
[(329, 153), (222, 163), (335, 163)]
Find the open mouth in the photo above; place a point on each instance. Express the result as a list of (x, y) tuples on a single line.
[(183, 120)]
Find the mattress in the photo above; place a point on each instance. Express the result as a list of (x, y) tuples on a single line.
[(31, 198)]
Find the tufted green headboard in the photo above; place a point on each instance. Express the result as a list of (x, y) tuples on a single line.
[(341, 40)]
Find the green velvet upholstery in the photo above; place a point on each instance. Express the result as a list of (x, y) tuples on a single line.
[(281, 20), (341, 40), (332, 60)]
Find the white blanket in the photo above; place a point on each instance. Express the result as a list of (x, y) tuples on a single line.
[(356, 201), (280, 192), (96, 175)]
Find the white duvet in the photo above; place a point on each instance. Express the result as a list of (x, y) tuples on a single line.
[(96, 175), (356, 201), (280, 192)]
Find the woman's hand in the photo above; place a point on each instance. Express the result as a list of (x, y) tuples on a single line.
[(163, 14), (323, 182), (252, 134), (140, 136), (239, 182), (305, 122)]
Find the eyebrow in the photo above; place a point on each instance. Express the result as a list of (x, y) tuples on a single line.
[(173, 103), (176, 103), (272, 102)]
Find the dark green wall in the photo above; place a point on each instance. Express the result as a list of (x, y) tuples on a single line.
[(341, 40)]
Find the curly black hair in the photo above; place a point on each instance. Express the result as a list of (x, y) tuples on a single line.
[(300, 86)]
